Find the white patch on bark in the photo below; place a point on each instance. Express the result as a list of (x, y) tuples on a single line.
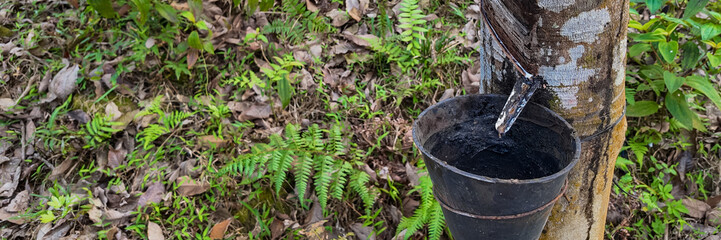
[(619, 62), (564, 78), (555, 5), (586, 26)]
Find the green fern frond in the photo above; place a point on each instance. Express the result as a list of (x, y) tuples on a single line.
[(284, 163), (358, 183), (293, 135), (436, 221), (150, 134), (99, 129), (313, 138), (339, 178), (153, 107), (302, 175), (335, 138), (175, 118), (322, 178), (412, 22), (412, 224)]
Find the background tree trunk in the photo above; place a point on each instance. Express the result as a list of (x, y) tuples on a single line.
[(579, 48)]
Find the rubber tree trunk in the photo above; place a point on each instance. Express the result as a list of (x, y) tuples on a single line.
[(579, 48)]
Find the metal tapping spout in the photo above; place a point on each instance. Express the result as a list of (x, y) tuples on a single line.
[(522, 91)]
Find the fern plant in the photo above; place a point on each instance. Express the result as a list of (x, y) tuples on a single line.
[(98, 130), (428, 213), (166, 123), (413, 25), (318, 157)]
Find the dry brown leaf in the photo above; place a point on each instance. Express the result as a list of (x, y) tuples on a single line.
[(79, 115), (713, 217), (189, 187), (354, 9), (154, 231), (714, 201), (9, 177), (362, 40), (61, 168), (115, 214), (338, 18), (363, 232), (218, 231), (343, 48), (212, 141), (696, 208), (150, 43), (30, 131), (95, 215), (64, 83), (255, 111), (315, 230), (238, 106), (6, 104), (111, 232), (311, 6), (116, 156), (192, 57), (316, 50), (16, 207), (125, 119), (154, 194), (111, 110), (277, 228)]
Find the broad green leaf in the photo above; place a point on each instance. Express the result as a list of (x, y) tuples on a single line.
[(167, 12), (630, 92), (201, 25), (672, 81), (47, 217), (103, 7), (285, 91), (647, 37), (194, 41), (265, 5), (635, 24), (208, 47), (143, 8), (55, 202), (189, 16), (710, 30), (690, 55), (714, 60), (638, 49), (668, 50), (704, 86), (252, 6), (642, 109), (693, 7), (633, 11), (674, 20), (710, 43), (654, 5), (679, 109), (714, 14)]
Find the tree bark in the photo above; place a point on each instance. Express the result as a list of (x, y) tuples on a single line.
[(579, 48)]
